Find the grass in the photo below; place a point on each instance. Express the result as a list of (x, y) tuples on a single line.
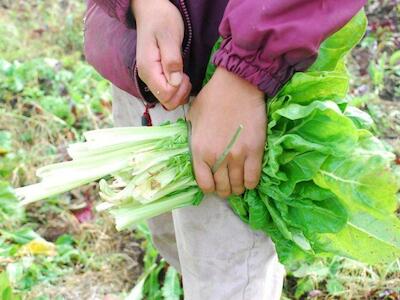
[(40, 28), (49, 96)]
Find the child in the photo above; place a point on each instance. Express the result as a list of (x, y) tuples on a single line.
[(155, 52)]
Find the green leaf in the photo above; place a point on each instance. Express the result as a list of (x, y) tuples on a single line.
[(334, 286), (317, 270), (211, 67), (20, 236), (395, 58), (303, 286), (361, 119), (10, 210), (5, 142), (65, 240), (318, 217), (4, 282), (15, 271), (322, 123), (137, 292), (376, 70), (239, 207), (334, 48), (295, 145), (288, 252), (152, 288), (369, 237), (360, 180), (308, 190), (276, 217), (302, 168), (258, 213), (304, 88), (171, 289)]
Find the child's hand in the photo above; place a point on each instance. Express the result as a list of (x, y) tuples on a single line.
[(222, 105), (160, 32)]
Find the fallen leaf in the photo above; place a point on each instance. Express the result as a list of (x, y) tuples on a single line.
[(37, 246), (84, 214)]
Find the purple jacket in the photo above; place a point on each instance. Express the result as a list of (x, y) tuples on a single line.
[(265, 41)]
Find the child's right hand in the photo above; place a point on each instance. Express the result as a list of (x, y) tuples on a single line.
[(160, 33)]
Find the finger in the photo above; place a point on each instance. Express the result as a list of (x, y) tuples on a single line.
[(204, 176), (222, 183), (236, 176), (252, 171), (182, 95), (151, 73), (171, 57), (150, 70)]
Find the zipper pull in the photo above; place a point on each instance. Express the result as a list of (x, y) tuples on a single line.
[(146, 118)]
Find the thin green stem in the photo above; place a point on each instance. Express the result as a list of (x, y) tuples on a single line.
[(228, 149)]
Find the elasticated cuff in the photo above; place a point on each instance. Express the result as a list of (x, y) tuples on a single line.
[(269, 77)]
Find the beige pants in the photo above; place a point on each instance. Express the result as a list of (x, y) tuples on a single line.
[(219, 256)]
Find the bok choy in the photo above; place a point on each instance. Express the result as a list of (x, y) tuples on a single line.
[(327, 184)]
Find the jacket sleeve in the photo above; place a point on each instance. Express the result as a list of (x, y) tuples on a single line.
[(110, 45), (119, 9), (265, 41)]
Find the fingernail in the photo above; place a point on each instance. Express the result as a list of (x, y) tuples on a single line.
[(175, 78)]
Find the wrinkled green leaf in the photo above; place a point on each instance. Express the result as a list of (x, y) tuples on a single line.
[(304, 88), (239, 206), (322, 123), (361, 119), (318, 217), (360, 179), (334, 48), (258, 213), (368, 236), (302, 168)]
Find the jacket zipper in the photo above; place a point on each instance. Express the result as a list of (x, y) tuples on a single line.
[(186, 17)]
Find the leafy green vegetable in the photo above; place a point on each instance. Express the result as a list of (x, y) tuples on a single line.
[(327, 184)]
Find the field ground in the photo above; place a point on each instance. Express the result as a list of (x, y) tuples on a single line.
[(49, 96)]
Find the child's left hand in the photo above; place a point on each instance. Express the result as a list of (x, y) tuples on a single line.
[(224, 103)]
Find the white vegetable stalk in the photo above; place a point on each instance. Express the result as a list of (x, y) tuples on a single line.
[(150, 166)]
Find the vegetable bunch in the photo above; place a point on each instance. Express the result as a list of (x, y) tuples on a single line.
[(327, 184)]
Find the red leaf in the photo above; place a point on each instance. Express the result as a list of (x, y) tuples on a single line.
[(84, 214)]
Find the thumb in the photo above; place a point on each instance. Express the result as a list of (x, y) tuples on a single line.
[(171, 60)]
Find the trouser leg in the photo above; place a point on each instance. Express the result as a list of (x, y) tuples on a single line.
[(222, 258)]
